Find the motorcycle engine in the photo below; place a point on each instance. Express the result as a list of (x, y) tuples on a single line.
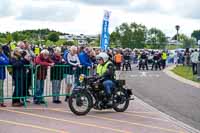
[(95, 85)]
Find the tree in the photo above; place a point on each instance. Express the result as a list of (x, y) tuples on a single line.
[(69, 43), (53, 36), (18, 36), (3, 40), (156, 38), (96, 42), (187, 41), (88, 40), (132, 36), (49, 43), (93, 44), (15, 36), (60, 42), (196, 34), (9, 37), (114, 38)]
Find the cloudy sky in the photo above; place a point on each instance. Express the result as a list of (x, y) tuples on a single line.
[(85, 16)]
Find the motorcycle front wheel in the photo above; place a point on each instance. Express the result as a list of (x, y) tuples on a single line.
[(80, 103), (121, 101)]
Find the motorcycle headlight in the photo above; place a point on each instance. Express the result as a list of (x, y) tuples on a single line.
[(81, 78)]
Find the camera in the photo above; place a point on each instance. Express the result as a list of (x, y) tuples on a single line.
[(23, 53)]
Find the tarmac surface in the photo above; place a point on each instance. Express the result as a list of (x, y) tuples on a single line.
[(57, 118), (175, 98)]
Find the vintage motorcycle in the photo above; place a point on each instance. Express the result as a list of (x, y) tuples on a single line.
[(156, 64), (142, 64), (127, 65), (90, 94)]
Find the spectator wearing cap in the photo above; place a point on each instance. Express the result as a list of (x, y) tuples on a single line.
[(44, 61), (3, 61), (56, 74)]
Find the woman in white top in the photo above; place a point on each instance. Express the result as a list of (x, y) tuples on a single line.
[(73, 62)]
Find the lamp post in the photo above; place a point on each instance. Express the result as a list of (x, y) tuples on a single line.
[(177, 33)]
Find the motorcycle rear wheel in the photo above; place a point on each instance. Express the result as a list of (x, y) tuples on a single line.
[(122, 100)]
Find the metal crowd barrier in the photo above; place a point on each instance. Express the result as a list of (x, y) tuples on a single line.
[(16, 83), (25, 82), (54, 81)]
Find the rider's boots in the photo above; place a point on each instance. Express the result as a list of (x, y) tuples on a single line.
[(110, 101)]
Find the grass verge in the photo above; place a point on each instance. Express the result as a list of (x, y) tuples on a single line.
[(185, 72)]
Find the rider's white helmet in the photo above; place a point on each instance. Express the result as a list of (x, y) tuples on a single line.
[(103, 56)]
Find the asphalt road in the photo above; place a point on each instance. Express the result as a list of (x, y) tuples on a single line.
[(168, 95), (139, 118), (153, 87)]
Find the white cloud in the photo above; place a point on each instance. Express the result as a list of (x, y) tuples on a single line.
[(81, 16), (52, 11), (188, 8), (182, 8), (97, 2), (144, 6), (104, 2), (6, 8)]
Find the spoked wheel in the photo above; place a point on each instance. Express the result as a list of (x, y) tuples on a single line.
[(80, 103), (121, 101)]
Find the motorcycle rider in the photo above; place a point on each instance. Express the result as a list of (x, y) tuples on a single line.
[(157, 58), (126, 58), (118, 60), (105, 71), (143, 57), (164, 58)]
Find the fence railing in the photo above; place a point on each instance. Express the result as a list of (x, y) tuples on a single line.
[(20, 83), (16, 83)]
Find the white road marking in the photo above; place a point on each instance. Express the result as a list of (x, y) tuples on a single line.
[(143, 74)]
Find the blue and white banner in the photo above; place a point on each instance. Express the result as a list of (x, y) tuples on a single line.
[(105, 36)]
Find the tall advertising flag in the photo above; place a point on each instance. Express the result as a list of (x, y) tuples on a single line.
[(105, 36)]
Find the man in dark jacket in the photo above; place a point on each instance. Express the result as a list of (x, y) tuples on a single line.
[(18, 74), (29, 55), (156, 61), (145, 58)]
